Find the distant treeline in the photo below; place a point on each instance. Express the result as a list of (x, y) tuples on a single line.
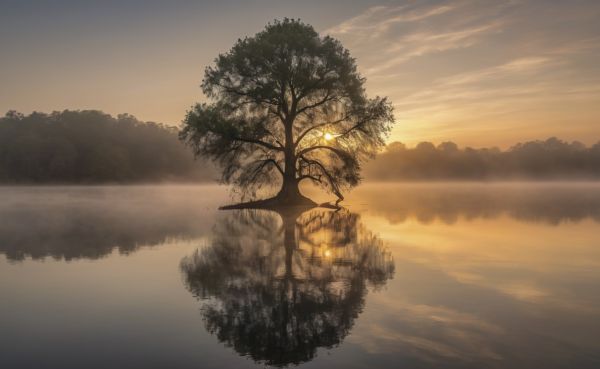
[(538, 160), (92, 147)]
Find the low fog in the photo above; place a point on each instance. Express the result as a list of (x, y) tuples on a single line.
[(90, 222), (73, 222)]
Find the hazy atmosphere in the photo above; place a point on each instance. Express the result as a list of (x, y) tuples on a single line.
[(300, 184), (478, 73)]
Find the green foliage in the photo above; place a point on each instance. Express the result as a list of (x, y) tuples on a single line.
[(274, 95), (90, 146)]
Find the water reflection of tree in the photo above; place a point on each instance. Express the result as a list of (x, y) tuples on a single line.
[(276, 288)]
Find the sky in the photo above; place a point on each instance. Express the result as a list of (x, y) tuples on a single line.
[(476, 72)]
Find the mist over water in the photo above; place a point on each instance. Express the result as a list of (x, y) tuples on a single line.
[(453, 148), (447, 274), (90, 222), (449, 202)]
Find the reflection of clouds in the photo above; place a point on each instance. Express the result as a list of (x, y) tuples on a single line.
[(524, 291), (429, 316), (528, 262), (486, 274), (457, 335)]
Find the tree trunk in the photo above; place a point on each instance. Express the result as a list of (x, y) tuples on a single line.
[(290, 193)]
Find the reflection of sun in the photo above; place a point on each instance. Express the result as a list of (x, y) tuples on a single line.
[(327, 253), (328, 136)]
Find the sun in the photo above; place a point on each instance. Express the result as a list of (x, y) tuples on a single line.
[(328, 136)]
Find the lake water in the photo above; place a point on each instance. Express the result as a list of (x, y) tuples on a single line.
[(413, 275)]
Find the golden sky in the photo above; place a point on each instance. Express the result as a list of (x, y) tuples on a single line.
[(476, 72)]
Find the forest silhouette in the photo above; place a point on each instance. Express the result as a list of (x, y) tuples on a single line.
[(538, 160), (90, 146)]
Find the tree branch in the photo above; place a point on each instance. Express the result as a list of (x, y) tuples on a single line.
[(308, 130), (259, 142), (340, 153), (275, 138), (263, 164), (334, 188), (277, 113), (245, 94), (277, 166), (308, 176), (326, 99)]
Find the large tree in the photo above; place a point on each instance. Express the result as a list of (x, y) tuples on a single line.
[(287, 105)]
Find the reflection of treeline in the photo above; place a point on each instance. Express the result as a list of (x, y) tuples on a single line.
[(91, 222), (550, 159), (550, 204), (90, 146)]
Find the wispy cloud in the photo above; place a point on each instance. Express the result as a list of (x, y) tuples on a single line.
[(393, 35), (422, 43), (531, 64), (466, 66), (495, 90), (379, 19)]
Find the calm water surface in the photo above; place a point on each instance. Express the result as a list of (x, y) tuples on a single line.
[(414, 276)]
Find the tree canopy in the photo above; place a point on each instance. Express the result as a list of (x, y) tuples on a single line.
[(287, 105)]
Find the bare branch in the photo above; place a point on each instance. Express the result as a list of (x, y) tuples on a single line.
[(325, 100), (246, 94), (308, 176), (340, 153), (332, 183), (274, 162), (275, 138), (259, 142), (317, 126)]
